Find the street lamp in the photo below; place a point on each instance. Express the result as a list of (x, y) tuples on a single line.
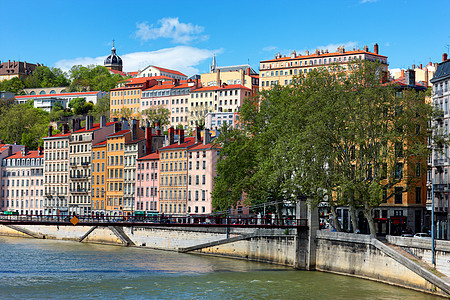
[(433, 254)]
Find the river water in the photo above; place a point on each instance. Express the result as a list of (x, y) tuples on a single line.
[(49, 269)]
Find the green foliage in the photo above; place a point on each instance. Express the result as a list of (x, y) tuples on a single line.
[(44, 77), (158, 114), (94, 78), (22, 124), (14, 85), (79, 106), (102, 108), (328, 135)]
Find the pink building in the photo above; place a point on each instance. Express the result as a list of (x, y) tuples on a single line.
[(23, 182), (202, 160), (5, 151), (147, 184)]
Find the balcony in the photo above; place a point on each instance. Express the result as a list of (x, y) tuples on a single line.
[(440, 187), (79, 191), (79, 177), (439, 162)]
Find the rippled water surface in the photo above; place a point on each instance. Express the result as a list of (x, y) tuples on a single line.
[(43, 269)]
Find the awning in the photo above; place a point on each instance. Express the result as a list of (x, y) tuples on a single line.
[(139, 213)]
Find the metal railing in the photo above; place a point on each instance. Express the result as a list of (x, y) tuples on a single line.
[(159, 220)]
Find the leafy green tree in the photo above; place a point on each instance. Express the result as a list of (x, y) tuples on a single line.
[(94, 78), (13, 85), (44, 77), (80, 106), (102, 108), (330, 135), (23, 124), (158, 114)]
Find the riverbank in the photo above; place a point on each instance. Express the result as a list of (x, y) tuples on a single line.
[(354, 255)]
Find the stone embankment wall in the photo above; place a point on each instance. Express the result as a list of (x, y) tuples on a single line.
[(421, 248), (363, 256)]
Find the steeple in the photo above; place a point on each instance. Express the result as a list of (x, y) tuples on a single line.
[(212, 67), (113, 61)]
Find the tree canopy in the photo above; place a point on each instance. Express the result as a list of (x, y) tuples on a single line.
[(93, 78), (23, 124), (334, 134), (80, 106), (44, 77), (158, 114)]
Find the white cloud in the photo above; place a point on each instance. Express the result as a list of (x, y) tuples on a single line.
[(170, 28), (180, 58), (269, 48)]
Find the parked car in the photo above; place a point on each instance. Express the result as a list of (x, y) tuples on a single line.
[(406, 235), (422, 235)]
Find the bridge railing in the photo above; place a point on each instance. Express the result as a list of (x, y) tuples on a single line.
[(197, 220)]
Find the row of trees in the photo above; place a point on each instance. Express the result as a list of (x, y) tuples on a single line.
[(23, 124), (330, 135), (79, 78)]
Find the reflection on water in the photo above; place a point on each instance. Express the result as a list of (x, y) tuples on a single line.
[(36, 269)]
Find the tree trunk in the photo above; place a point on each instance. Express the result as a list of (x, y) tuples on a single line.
[(279, 212), (336, 223), (353, 218), (368, 215)]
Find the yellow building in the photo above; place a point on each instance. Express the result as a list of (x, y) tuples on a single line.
[(19, 69), (282, 69), (99, 174), (115, 144), (231, 75), (173, 175)]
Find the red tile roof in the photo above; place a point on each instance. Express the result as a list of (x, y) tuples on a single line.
[(225, 87), (95, 126), (122, 132), (188, 142), (57, 95), (170, 71), (57, 135), (100, 143), (168, 85), (30, 154), (314, 55), (118, 72), (152, 156), (204, 147), (401, 81), (135, 141)]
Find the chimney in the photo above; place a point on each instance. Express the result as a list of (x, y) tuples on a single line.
[(65, 128), (180, 136), (420, 66), (375, 48), (366, 48), (50, 130), (242, 76), (414, 66), (430, 64), (403, 73), (24, 151), (125, 124), (40, 150), (248, 72), (171, 135), (198, 135), (75, 124), (148, 138), (102, 121), (158, 130), (206, 137), (410, 77), (444, 57), (88, 123), (117, 127), (133, 129)]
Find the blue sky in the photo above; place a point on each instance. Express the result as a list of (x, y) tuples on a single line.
[(184, 35)]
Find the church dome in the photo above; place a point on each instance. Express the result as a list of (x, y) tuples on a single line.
[(113, 61)]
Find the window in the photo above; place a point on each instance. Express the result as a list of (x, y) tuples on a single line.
[(399, 171), (398, 195), (417, 169), (418, 195)]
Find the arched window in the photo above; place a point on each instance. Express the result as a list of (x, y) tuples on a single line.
[(33, 93), (52, 92), (42, 93)]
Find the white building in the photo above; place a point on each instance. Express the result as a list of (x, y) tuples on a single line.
[(441, 161), (47, 101), (152, 71)]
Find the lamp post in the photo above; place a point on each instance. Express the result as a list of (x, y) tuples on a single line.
[(433, 259)]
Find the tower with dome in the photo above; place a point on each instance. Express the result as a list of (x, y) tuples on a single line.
[(113, 61)]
